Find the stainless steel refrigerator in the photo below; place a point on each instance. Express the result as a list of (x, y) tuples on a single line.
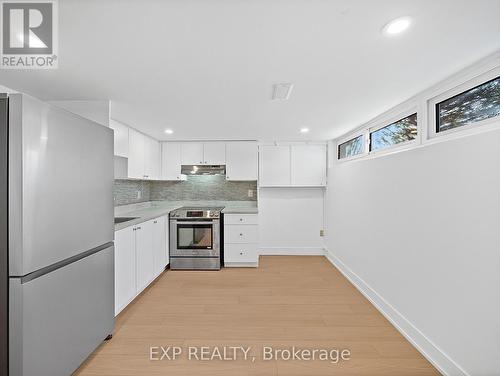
[(56, 237)]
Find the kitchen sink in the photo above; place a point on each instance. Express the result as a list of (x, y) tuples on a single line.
[(124, 219)]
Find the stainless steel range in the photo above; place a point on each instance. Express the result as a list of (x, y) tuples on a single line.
[(195, 238)]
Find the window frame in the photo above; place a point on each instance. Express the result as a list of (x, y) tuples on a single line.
[(432, 121), (350, 138), (400, 144)]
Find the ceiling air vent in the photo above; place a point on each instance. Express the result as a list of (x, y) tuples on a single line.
[(282, 91)]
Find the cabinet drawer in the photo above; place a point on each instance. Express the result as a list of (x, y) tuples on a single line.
[(241, 234), (241, 219), (240, 253)]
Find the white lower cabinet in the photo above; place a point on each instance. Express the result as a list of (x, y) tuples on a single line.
[(125, 267), (141, 255), (144, 254), (159, 246), (241, 239)]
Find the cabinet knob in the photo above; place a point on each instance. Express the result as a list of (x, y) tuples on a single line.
[(241, 219), (241, 253), (241, 234)]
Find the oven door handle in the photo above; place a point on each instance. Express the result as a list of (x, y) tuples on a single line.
[(181, 222)]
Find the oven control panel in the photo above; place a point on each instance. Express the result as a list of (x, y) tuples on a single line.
[(196, 213)]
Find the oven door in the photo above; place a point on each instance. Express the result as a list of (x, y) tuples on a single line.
[(190, 238)]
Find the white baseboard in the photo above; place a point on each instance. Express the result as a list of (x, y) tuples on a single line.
[(434, 355), (241, 264), (291, 251)]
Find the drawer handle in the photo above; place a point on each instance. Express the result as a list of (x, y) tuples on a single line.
[(241, 219), (241, 234)]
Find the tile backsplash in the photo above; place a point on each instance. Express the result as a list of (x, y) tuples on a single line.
[(126, 191), (195, 188)]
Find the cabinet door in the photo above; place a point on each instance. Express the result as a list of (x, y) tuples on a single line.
[(144, 254), (274, 166), (171, 161), (241, 161), (214, 153), (159, 245), (308, 165), (151, 159), (136, 155), (167, 241), (192, 153), (120, 138), (125, 266)]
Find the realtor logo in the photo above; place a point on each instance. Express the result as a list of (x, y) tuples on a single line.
[(29, 34)]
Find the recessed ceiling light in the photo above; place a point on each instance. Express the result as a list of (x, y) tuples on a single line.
[(304, 130), (169, 131), (397, 26), (282, 91)]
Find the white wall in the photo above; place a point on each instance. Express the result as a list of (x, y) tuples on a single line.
[(419, 232), (94, 110), (290, 220)]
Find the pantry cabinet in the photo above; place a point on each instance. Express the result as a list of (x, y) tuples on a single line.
[(141, 255), (241, 161)]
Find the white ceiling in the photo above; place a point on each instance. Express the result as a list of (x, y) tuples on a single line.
[(205, 68)]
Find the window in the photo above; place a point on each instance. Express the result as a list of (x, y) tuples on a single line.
[(401, 131), (352, 147), (476, 104)]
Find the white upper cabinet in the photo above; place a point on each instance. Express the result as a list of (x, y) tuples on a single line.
[(274, 165), (192, 153), (241, 161), (136, 155), (214, 153), (295, 165), (308, 164), (152, 159), (144, 156), (171, 161), (199, 153), (121, 138)]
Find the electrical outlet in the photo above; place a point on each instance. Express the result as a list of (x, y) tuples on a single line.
[(139, 195), (250, 193), (321, 232)]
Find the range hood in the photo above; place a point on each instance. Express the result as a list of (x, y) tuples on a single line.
[(203, 169)]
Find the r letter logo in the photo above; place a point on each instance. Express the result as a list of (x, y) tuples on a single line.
[(29, 35)]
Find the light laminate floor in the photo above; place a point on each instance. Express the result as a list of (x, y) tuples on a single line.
[(288, 301)]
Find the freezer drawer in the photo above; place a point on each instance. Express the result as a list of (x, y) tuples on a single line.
[(58, 319)]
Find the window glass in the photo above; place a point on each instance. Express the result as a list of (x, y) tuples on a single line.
[(479, 103), (401, 131), (351, 148)]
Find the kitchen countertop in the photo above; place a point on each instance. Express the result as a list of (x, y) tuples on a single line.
[(154, 209)]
